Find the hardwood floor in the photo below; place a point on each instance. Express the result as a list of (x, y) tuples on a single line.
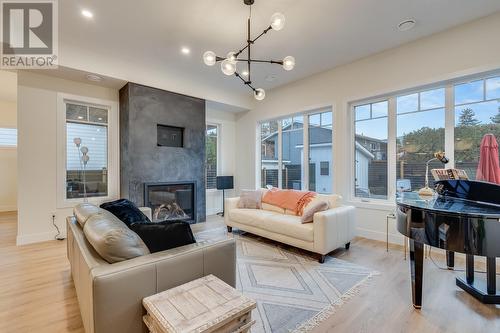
[(36, 289), (37, 293)]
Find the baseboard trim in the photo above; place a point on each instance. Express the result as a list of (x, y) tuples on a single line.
[(34, 238), (379, 236)]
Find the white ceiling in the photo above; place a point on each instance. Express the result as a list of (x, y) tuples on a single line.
[(140, 40)]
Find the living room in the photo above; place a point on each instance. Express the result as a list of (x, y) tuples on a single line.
[(305, 166)]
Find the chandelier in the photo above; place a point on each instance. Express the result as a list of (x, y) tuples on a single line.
[(229, 63)]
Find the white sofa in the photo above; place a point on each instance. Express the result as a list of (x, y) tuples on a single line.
[(330, 229)]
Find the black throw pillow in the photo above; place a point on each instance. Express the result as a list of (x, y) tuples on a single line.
[(126, 211), (164, 235)]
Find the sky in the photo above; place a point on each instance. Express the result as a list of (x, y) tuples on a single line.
[(467, 95)]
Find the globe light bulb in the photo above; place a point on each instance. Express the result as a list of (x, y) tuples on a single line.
[(288, 63), (227, 67), (209, 58), (259, 94), (231, 56), (84, 150), (77, 141), (85, 159), (277, 21)]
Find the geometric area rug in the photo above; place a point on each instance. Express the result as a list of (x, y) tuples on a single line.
[(293, 291)]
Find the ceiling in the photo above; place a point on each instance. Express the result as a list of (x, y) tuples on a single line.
[(141, 41)]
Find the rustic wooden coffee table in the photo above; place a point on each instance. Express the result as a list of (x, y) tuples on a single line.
[(203, 305)]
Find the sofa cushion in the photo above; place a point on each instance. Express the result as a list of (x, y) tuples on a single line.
[(272, 208), (83, 211), (126, 211), (112, 239), (287, 225)]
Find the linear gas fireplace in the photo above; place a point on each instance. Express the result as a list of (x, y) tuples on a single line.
[(171, 201)]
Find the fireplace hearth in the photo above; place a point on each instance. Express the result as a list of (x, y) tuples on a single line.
[(171, 201)]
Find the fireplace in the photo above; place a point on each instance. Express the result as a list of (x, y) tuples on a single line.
[(171, 201)]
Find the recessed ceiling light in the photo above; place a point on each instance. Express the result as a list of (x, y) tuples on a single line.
[(87, 13), (406, 25), (244, 73), (185, 50), (80, 117), (94, 78)]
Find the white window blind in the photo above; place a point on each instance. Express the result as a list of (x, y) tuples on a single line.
[(8, 137)]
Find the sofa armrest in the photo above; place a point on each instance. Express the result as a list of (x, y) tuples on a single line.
[(118, 289), (333, 228), (230, 204), (147, 211)]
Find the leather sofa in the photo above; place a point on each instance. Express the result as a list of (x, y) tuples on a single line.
[(330, 229), (110, 295)]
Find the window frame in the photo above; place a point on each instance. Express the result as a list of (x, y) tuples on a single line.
[(113, 149), (305, 142), (218, 152), (449, 143)]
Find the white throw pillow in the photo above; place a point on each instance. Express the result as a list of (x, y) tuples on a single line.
[(311, 209), (250, 199)]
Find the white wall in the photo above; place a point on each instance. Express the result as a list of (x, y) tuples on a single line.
[(226, 120), (37, 142), (467, 49), (8, 157)]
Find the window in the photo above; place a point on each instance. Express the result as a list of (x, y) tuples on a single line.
[(420, 127), (86, 128), (284, 152), (269, 153), (477, 112), (453, 117), (370, 150), (211, 155), (320, 152), (292, 158), (8, 137), (324, 168)]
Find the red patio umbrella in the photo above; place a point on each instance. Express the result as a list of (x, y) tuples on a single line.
[(488, 168)]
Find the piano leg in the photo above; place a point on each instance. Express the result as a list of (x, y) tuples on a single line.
[(416, 271), (469, 268), (491, 275), (450, 259)]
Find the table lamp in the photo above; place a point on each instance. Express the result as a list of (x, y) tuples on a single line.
[(438, 156)]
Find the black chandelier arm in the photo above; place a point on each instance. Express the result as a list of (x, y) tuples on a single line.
[(247, 83), (251, 41), (278, 62)]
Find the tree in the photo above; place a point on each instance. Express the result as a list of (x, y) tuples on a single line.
[(467, 118), (496, 119)]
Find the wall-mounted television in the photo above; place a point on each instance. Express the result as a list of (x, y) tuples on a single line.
[(170, 136)]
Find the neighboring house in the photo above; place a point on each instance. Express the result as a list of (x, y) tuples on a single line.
[(320, 158), (376, 147)]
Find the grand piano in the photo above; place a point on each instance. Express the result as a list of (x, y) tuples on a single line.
[(463, 217)]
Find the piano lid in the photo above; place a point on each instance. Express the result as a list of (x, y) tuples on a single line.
[(479, 191), (449, 205)]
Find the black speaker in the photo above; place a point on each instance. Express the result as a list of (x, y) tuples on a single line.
[(224, 182)]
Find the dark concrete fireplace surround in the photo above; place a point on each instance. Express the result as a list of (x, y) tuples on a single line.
[(142, 160)]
